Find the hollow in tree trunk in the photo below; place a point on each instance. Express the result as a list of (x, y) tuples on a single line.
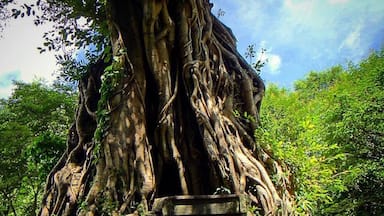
[(160, 119)]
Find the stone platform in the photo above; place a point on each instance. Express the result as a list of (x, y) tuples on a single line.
[(200, 205)]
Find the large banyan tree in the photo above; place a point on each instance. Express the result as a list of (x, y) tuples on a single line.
[(158, 112)]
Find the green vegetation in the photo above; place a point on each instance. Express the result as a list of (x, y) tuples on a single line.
[(330, 132), (34, 122)]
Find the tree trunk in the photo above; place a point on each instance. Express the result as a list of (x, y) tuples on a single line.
[(160, 118)]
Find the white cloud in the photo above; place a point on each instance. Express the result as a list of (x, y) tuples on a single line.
[(263, 44), (352, 41), (19, 43), (274, 63)]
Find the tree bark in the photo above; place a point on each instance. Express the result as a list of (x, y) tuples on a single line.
[(159, 119)]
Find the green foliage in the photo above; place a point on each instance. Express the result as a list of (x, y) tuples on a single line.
[(33, 125), (357, 124), (41, 108), (110, 80), (44, 152), (254, 210), (106, 206), (329, 131), (244, 117), (292, 132), (251, 53), (12, 139)]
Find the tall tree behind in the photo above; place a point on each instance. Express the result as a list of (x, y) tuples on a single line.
[(156, 113), (33, 121)]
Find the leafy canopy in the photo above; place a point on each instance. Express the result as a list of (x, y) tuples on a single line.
[(33, 125), (329, 131)]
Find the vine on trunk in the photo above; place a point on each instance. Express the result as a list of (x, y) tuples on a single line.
[(161, 120)]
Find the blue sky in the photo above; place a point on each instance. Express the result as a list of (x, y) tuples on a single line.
[(299, 35), (6, 79), (307, 35)]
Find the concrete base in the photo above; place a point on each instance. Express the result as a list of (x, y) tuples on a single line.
[(201, 205)]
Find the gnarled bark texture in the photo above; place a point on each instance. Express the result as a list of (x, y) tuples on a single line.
[(166, 125)]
